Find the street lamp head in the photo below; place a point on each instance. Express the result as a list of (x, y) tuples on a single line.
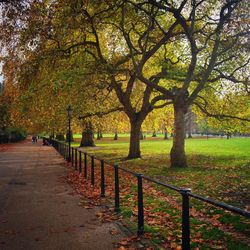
[(69, 112)]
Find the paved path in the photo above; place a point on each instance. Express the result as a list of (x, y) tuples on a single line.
[(38, 211)]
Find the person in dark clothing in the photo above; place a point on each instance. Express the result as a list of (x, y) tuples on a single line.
[(33, 139)]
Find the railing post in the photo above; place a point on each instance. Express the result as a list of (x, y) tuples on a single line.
[(92, 170), (80, 161), (117, 189), (66, 151), (85, 165), (102, 179), (185, 219), (72, 157), (75, 159), (140, 229)]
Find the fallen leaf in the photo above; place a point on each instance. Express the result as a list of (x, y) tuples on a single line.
[(114, 232), (173, 245), (123, 243), (87, 207)]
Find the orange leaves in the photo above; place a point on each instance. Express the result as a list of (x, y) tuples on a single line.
[(124, 243), (107, 216), (127, 243), (174, 246), (114, 232), (162, 211)]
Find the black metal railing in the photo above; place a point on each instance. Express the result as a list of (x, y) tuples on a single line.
[(76, 157)]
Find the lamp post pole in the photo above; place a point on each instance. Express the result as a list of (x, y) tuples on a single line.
[(69, 113), (69, 139)]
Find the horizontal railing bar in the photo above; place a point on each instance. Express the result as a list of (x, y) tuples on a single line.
[(221, 205), (161, 183), (109, 163), (128, 171)]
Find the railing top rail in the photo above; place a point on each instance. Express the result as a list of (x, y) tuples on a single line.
[(108, 163), (196, 196), (162, 184), (221, 205), (128, 171)]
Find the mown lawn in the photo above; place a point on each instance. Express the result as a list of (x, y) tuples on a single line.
[(218, 168)]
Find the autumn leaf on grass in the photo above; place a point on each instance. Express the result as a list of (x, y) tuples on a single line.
[(114, 232), (133, 219), (147, 236), (216, 216), (121, 248), (128, 241), (126, 248), (99, 214), (123, 243), (134, 238)]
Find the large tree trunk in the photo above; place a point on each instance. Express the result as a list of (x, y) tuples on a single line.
[(87, 136), (134, 146), (189, 123), (98, 135), (165, 134), (116, 136), (177, 154), (141, 135), (60, 137)]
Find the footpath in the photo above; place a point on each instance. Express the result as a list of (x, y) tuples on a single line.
[(37, 208)]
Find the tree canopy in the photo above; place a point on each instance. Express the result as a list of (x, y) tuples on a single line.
[(131, 56)]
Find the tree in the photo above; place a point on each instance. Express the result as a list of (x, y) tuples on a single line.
[(194, 43), (113, 64), (221, 124), (160, 53)]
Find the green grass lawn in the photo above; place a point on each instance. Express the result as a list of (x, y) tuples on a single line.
[(218, 168)]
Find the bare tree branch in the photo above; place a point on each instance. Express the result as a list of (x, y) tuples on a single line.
[(101, 113)]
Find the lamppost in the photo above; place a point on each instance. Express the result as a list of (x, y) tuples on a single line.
[(69, 113)]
